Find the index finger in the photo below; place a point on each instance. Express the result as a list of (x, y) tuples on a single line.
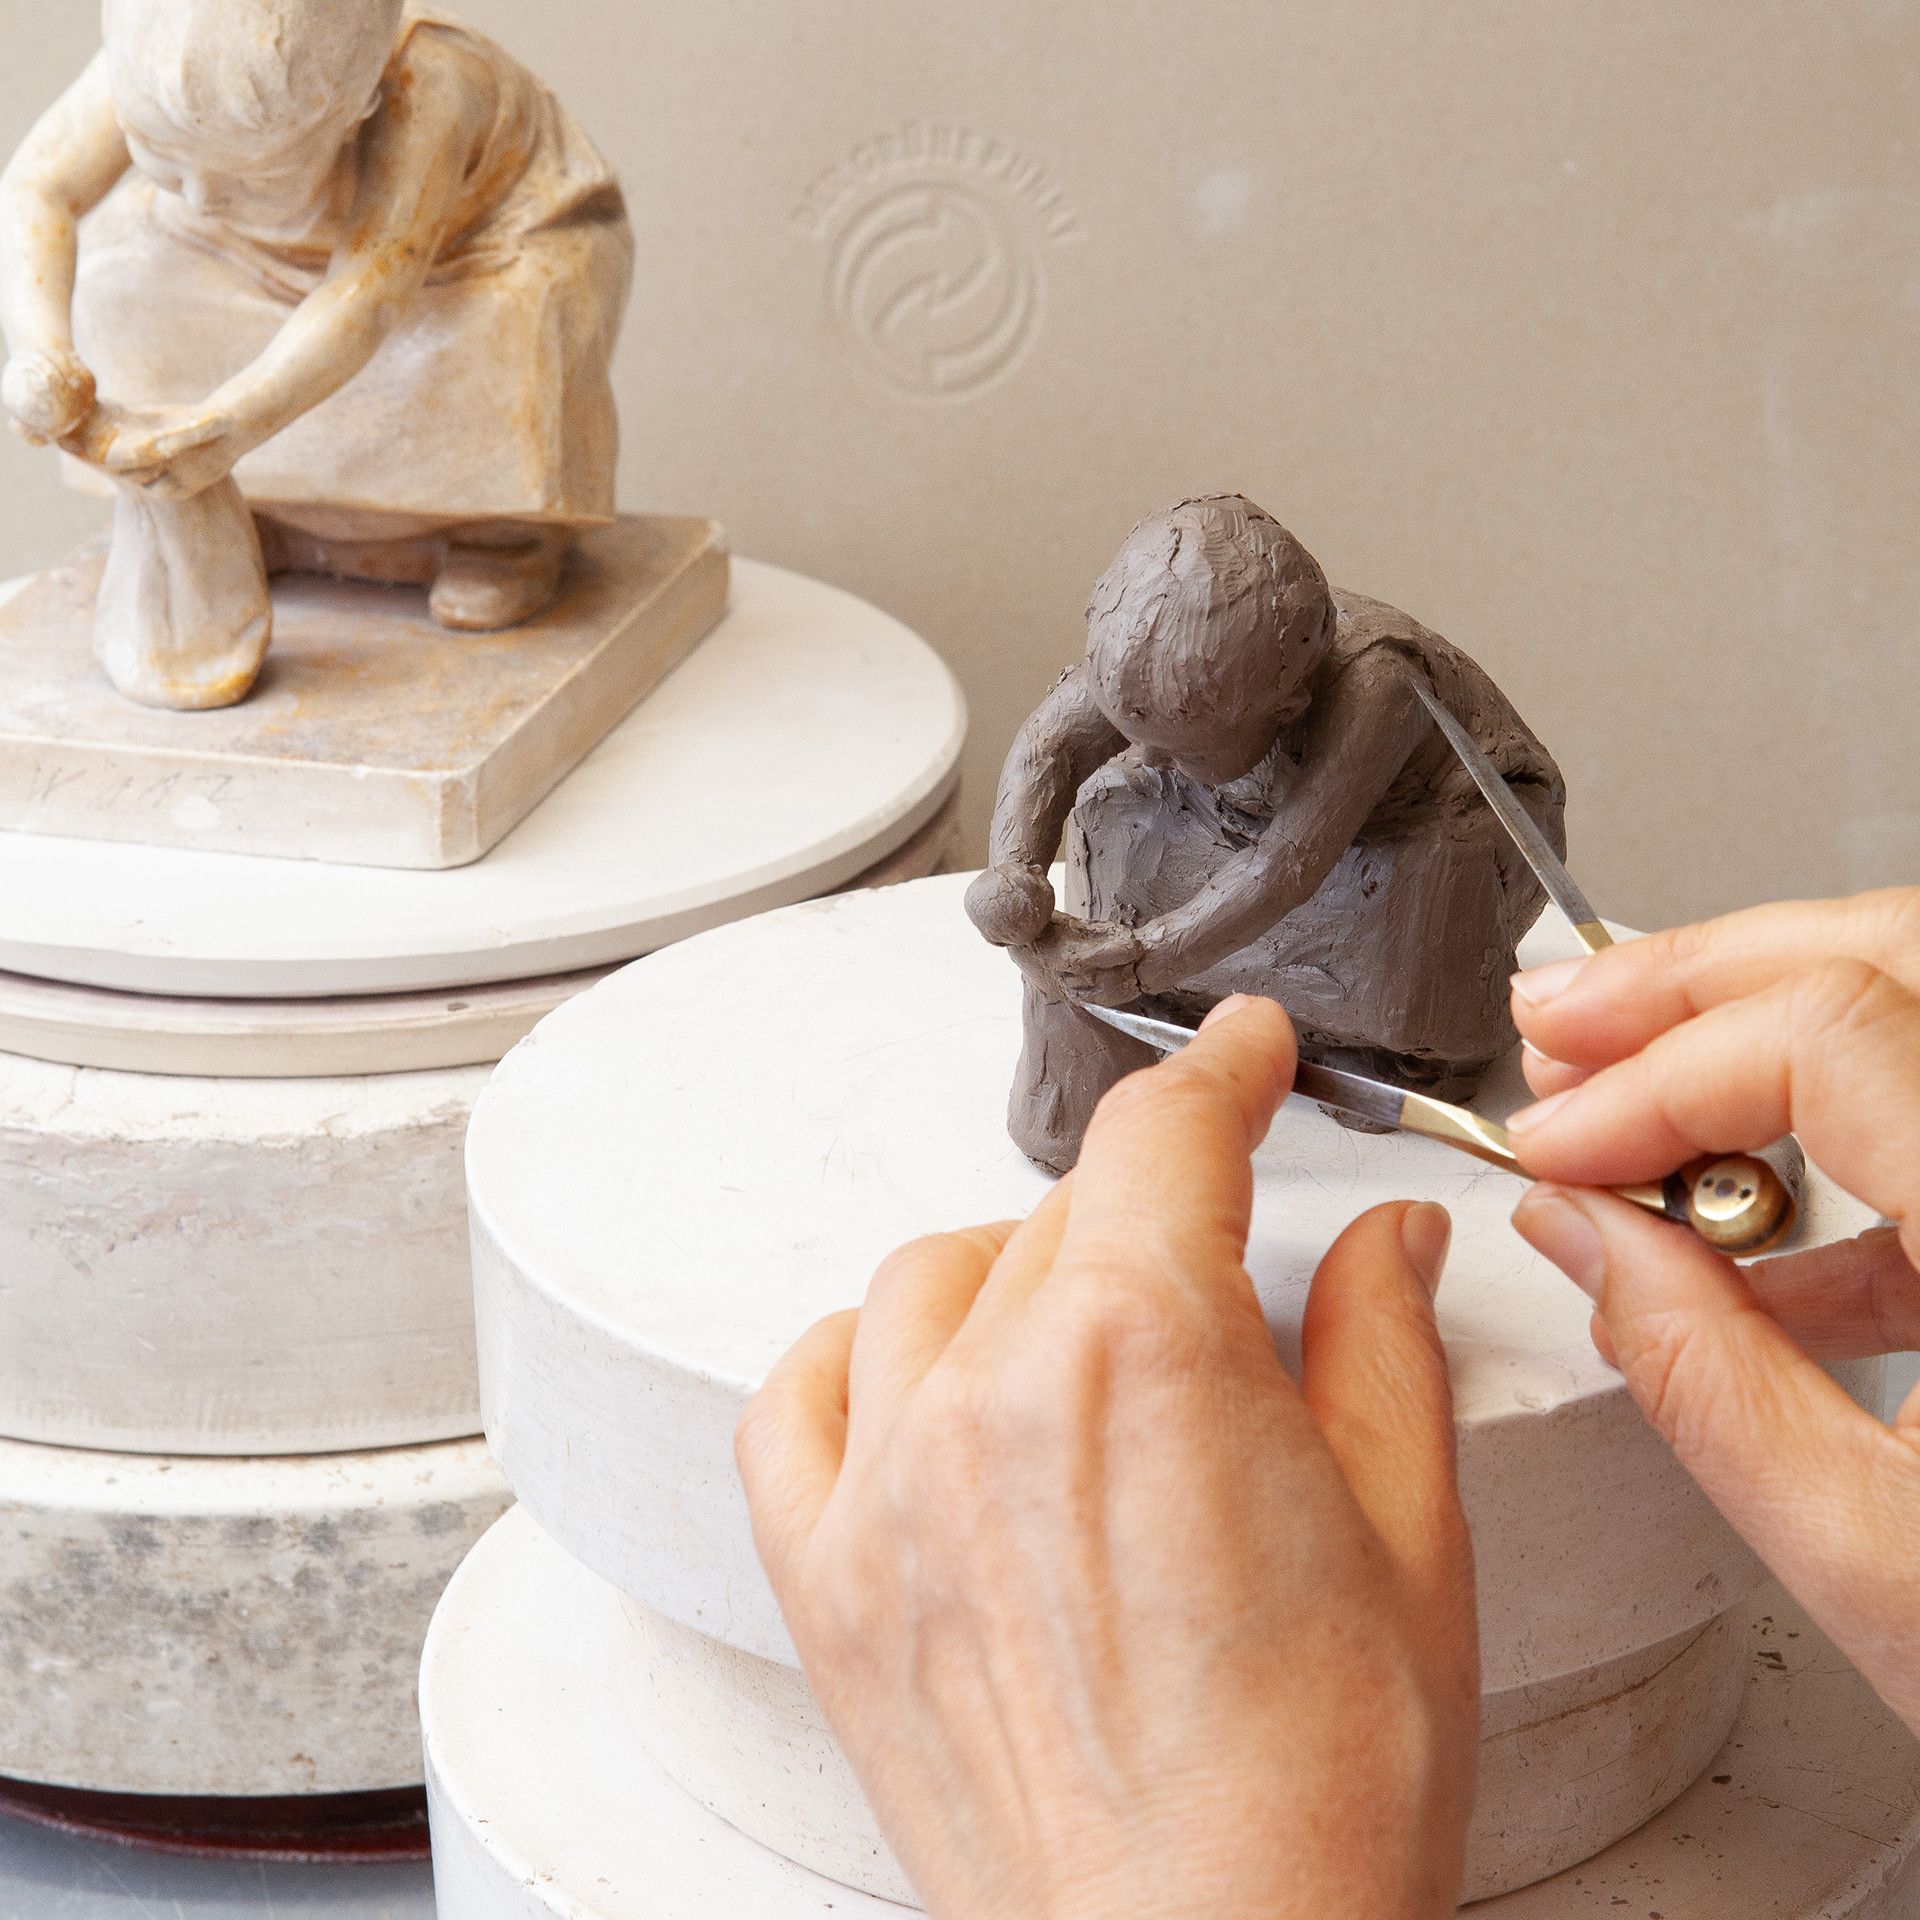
[(1164, 1184), (1591, 1013), (1832, 1055)]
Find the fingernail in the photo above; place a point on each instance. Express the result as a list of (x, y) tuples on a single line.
[(1552, 1224), (1426, 1231), (1537, 985), (1226, 1009), (1528, 1118)]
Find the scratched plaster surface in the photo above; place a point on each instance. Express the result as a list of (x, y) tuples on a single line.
[(234, 1266), (222, 1627)]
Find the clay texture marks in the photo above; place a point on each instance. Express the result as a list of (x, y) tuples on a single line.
[(1254, 800)]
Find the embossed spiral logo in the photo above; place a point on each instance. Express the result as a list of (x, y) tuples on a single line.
[(936, 238)]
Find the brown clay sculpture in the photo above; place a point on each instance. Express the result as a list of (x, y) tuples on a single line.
[(1254, 800)]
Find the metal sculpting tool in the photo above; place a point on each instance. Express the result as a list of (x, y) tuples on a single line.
[(1735, 1202), (1784, 1159), (1588, 927)]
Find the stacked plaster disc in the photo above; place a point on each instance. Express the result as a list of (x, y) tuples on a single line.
[(238, 1412), (660, 1208)]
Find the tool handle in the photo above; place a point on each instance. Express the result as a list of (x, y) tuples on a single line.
[(1736, 1203)]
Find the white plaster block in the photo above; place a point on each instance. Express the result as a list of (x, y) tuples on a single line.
[(375, 736), (368, 1033), (837, 1075), (233, 1266), (203, 1627), (1566, 1767), (808, 737), (546, 1804)]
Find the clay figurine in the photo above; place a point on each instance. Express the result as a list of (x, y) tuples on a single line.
[(1255, 800), (343, 301)]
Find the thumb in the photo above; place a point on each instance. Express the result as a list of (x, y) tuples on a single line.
[(1774, 1442)]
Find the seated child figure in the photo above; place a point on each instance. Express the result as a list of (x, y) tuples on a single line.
[(1256, 801), (349, 252)]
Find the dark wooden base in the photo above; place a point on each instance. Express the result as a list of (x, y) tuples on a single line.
[(338, 1827)]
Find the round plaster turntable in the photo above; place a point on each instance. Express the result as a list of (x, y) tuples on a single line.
[(686, 1166), (238, 1405)]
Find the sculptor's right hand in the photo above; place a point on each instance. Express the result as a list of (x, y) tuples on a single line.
[(1799, 1017), (1011, 905), (47, 394)]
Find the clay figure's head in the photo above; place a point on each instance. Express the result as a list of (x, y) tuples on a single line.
[(242, 107), (1204, 636)]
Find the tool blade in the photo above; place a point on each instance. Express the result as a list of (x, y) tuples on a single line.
[(1519, 823), (1352, 1093)]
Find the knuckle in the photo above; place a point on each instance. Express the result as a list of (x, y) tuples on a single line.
[(1157, 1094), (1140, 1092), (1844, 993), (1900, 925), (756, 1440), (1670, 1381), (907, 1259), (949, 1432), (1126, 1326), (1685, 948)]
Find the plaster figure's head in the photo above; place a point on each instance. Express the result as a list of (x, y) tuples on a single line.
[(242, 107), (1204, 635)]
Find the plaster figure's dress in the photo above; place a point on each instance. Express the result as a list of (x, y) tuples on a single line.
[(1431, 872), (490, 399)]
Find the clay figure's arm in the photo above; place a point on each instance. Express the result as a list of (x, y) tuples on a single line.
[(1363, 728), (1066, 739), (65, 167), (414, 155)]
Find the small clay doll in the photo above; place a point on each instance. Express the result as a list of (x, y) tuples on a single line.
[(345, 253), (1255, 801)]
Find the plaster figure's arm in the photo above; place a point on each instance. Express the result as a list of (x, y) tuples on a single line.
[(414, 157), (1066, 739), (1359, 739), (65, 167)]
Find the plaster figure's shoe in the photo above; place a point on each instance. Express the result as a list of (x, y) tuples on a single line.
[(482, 588)]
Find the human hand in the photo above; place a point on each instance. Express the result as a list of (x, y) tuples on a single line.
[(47, 394), (1722, 1037), (172, 453), (1011, 905), (1111, 1618)]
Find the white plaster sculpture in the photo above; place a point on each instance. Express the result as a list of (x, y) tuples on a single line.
[(344, 303)]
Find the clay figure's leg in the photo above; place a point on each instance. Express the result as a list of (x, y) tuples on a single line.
[(407, 559), (183, 618), (1068, 1060), (483, 575), (499, 573)]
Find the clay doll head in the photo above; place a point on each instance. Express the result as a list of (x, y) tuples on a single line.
[(1204, 635), (242, 107)]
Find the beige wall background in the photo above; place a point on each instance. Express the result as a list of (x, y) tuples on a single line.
[(1587, 333)]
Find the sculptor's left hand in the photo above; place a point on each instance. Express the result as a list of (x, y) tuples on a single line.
[(172, 453), (1114, 1621)]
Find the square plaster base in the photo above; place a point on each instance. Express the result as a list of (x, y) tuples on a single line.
[(374, 737)]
